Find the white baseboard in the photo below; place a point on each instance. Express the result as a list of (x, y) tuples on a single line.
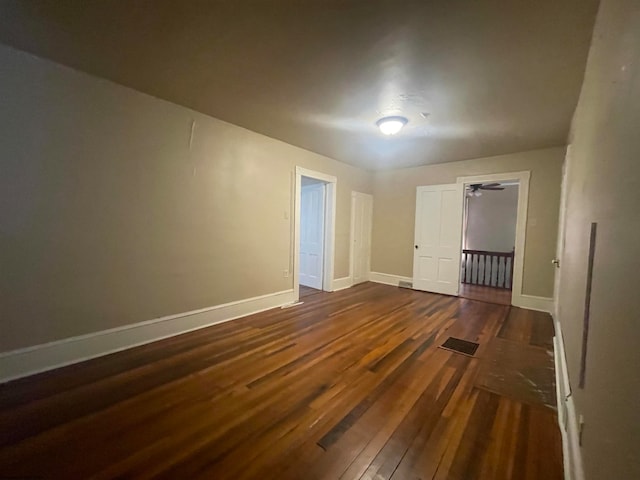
[(387, 278), (531, 302), (567, 418), (39, 358), (341, 283)]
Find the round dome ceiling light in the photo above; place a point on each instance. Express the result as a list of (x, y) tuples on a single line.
[(391, 125)]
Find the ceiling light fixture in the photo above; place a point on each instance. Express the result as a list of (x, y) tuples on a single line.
[(391, 125)]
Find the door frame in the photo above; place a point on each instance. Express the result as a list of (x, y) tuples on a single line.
[(329, 228), (352, 235), (523, 178)]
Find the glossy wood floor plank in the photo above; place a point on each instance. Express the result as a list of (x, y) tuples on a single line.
[(347, 385), (481, 293)]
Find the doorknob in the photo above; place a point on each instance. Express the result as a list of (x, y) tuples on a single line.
[(556, 262), (416, 247)]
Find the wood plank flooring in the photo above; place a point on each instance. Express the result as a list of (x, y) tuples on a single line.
[(306, 291), (348, 385), (481, 293)]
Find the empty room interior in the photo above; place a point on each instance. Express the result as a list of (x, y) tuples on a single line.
[(319, 240)]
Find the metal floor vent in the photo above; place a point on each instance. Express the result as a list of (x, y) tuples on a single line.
[(457, 345), (405, 284)]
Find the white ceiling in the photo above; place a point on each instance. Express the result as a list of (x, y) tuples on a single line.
[(493, 76)]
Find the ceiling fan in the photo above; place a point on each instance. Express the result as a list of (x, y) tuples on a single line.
[(473, 190)]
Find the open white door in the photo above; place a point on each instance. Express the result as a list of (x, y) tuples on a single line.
[(438, 237), (361, 213), (562, 224), (312, 204)]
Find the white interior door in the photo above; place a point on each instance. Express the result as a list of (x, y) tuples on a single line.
[(361, 215), (438, 238), (562, 223), (312, 204)]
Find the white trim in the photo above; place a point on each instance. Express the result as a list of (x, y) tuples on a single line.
[(329, 231), (341, 283), (563, 381), (47, 356), (567, 419), (531, 302), (388, 279), (521, 227)]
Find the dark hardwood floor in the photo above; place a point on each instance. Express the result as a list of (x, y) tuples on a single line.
[(347, 385), (481, 293), (306, 291)]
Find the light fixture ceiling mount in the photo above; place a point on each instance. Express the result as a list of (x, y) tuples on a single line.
[(391, 125)]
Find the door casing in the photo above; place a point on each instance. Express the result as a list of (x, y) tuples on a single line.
[(523, 178), (329, 230)]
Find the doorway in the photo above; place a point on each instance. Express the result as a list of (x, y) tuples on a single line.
[(314, 226), (522, 178), (488, 241), (312, 217), (437, 261)]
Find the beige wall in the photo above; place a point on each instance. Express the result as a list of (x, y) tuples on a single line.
[(603, 186), (491, 220), (109, 216), (394, 211)]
